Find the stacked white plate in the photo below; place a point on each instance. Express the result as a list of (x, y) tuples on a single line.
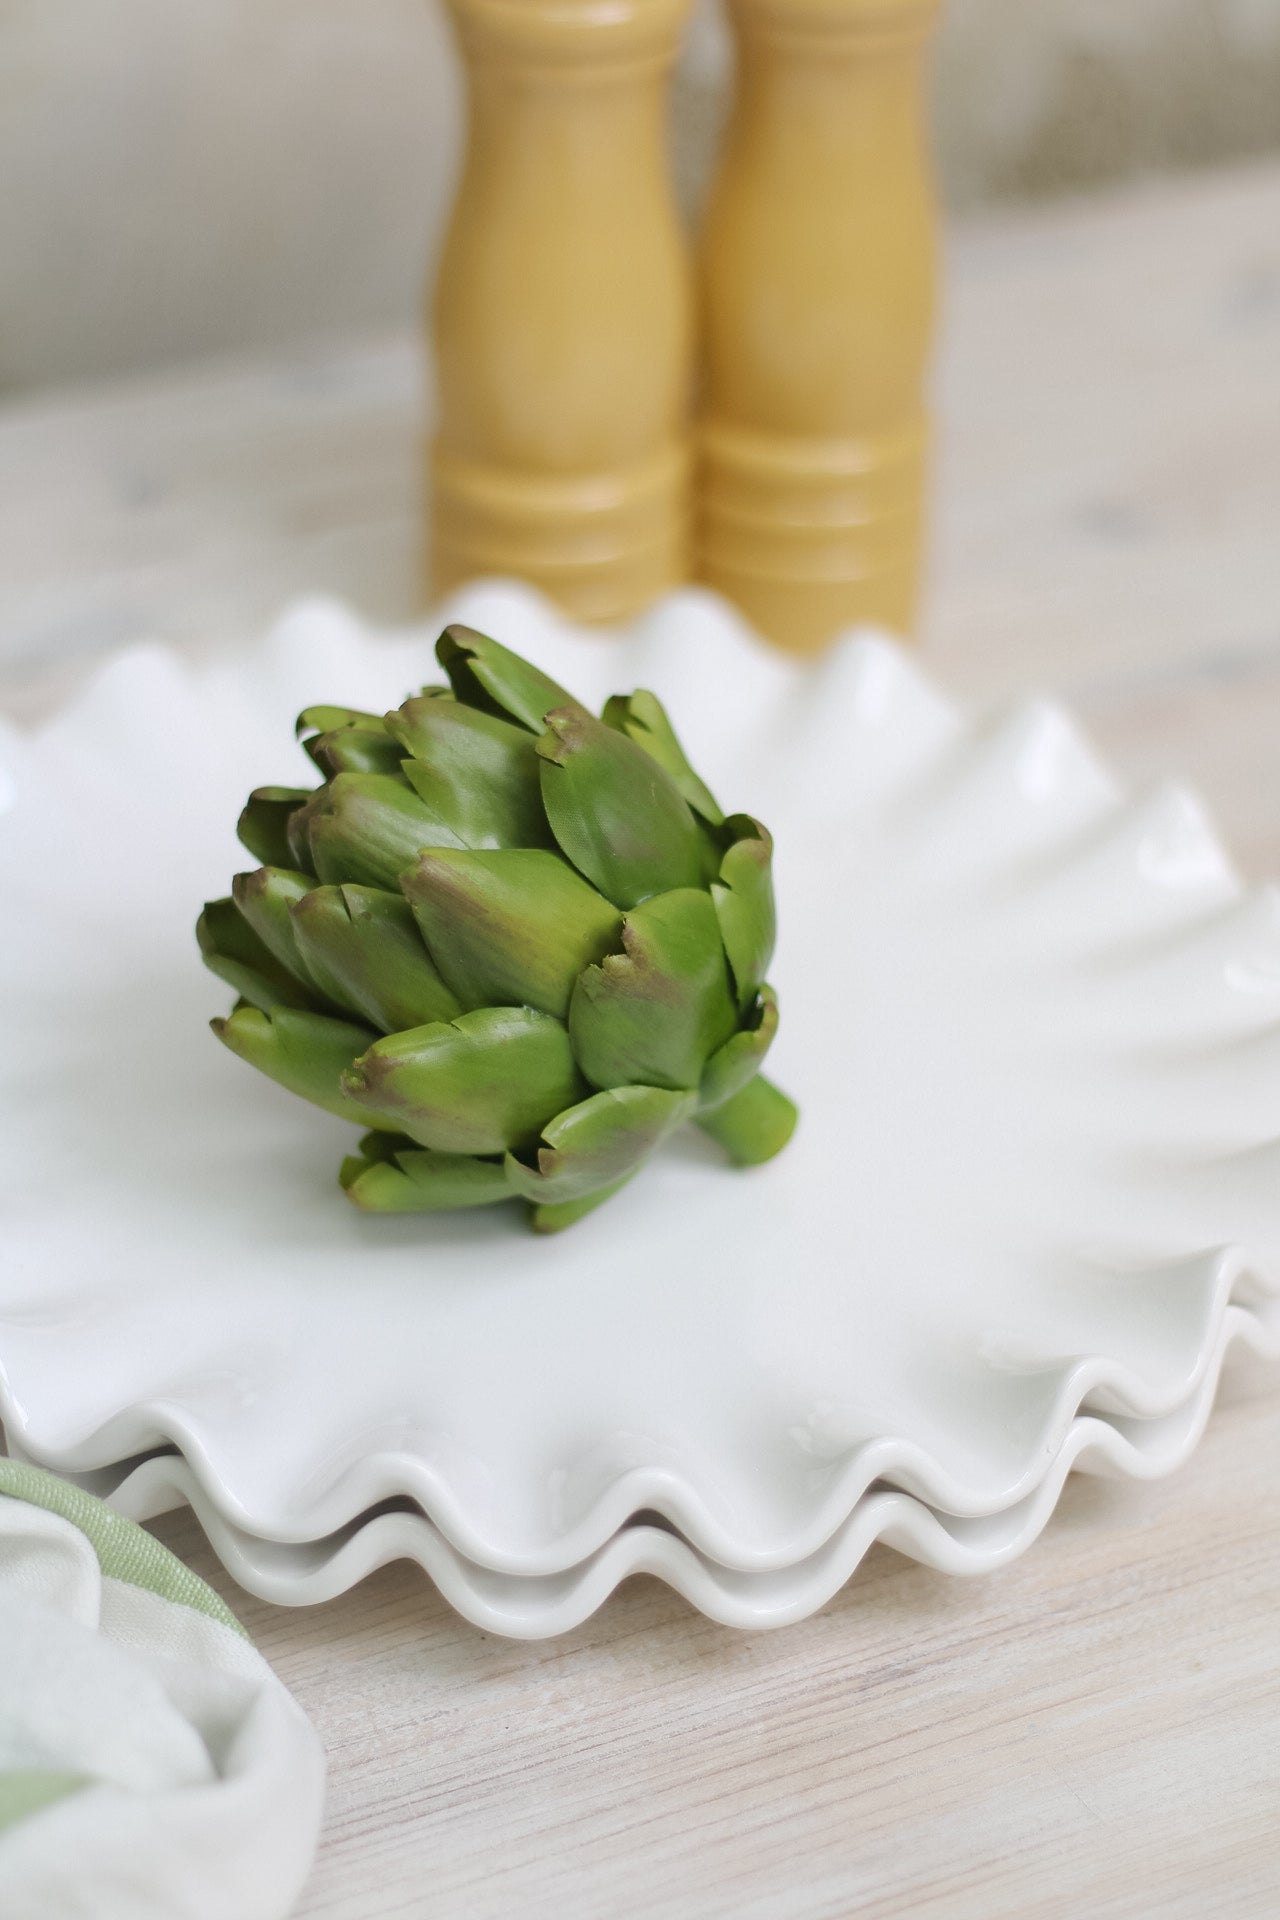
[(1033, 1027)]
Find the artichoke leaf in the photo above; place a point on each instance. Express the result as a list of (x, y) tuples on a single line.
[(362, 948), (489, 676), (598, 1143), (744, 904), (644, 719), (263, 826), (476, 1085), (741, 1056), (415, 1180), (382, 1146), (653, 1014), (231, 949), (509, 928), (354, 749), (477, 774), (367, 828), (554, 1216), (265, 899), (327, 719), (305, 1052), (615, 813)]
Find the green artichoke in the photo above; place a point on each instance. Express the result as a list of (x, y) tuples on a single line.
[(518, 944)]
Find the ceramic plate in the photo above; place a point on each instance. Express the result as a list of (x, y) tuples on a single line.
[(534, 1607), (1032, 1026)]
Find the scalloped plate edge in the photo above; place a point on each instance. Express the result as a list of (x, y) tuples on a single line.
[(538, 1607)]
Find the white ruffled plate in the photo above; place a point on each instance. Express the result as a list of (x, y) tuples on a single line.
[(535, 1607), (1033, 1027)]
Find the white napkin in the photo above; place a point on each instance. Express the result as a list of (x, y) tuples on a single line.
[(152, 1767)]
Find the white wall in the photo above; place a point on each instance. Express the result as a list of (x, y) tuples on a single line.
[(189, 176), (185, 176), (1035, 96)]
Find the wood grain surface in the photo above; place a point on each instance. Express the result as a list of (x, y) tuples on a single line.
[(1094, 1731)]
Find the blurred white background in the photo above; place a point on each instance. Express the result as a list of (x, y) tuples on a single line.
[(183, 177)]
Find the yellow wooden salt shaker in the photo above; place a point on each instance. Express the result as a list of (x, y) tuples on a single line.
[(817, 286), (563, 311)]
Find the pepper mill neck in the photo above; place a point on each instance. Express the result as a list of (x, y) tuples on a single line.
[(563, 314), (817, 301)]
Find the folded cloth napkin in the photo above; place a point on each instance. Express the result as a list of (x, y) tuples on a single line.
[(152, 1767)]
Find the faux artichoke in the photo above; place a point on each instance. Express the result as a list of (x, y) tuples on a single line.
[(518, 944)]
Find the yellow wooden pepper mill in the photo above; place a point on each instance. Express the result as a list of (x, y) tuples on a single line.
[(563, 315), (817, 302)]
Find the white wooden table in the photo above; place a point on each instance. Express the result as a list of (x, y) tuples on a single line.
[(1096, 1730)]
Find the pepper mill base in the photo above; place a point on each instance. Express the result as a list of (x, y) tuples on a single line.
[(808, 536), (601, 545)]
